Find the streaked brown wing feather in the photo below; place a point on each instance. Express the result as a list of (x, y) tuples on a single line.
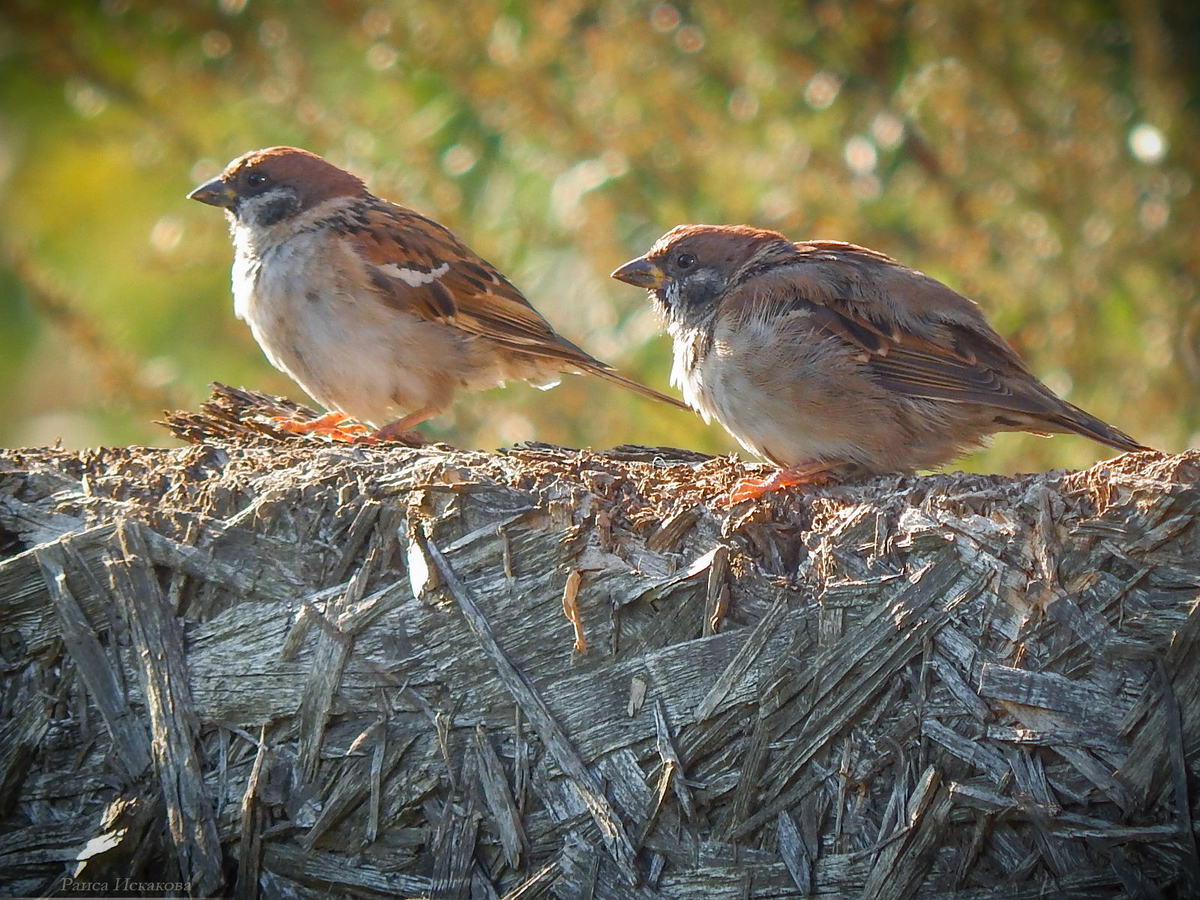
[(420, 267), (447, 282), (932, 372), (951, 360)]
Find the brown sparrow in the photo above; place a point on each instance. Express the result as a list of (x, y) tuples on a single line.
[(370, 307), (835, 361)]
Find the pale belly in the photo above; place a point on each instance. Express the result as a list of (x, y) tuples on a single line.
[(348, 351), (771, 427), (773, 400)]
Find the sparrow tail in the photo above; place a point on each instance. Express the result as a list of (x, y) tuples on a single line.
[(1074, 419), (638, 388)]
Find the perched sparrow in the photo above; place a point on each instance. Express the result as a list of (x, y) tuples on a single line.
[(835, 361), (370, 307)]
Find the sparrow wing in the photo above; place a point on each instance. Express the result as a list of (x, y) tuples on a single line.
[(420, 267), (917, 336), (951, 361), (921, 339), (963, 362)]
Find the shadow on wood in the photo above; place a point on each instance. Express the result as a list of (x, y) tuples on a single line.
[(275, 667)]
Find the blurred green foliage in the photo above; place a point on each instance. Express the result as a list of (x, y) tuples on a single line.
[(1039, 157)]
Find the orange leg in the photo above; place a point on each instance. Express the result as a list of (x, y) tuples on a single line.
[(400, 430), (332, 425), (812, 473)]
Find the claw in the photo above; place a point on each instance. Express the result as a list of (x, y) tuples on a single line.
[(813, 473), (334, 425), (337, 427), (398, 435), (400, 430)]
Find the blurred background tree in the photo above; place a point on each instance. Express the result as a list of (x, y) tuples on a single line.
[(1039, 157)]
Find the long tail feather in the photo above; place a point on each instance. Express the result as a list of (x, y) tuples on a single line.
[(638, 388), (1072, 418)]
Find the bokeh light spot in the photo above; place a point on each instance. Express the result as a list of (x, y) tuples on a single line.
[(689, 39), (1096, 231), (664, 17), (1033, 225), (309, 111), (216, 44), (571, 185), (272, 33), (85, 98), (860, 155), (743, 104), (821, 90), (776, 204), (1147, 143), (867, 187), (376, 23), (166, 234), (1154, 214), (204, 169), (381, 56), (1059, 381), (887, 129), (1002, 193), (459, 160), (273, 90), (504, 42), (159, 371)]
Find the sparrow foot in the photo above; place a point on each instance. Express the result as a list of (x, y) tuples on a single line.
[(397, 435), (813, 473), (400, 430), (334, 425)]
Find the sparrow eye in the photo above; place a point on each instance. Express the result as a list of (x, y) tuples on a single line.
[(685, 260), (256, 179)]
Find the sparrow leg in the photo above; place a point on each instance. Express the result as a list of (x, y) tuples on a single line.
[(810, 473), (331, 425), (400, 430)]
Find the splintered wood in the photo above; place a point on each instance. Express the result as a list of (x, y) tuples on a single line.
[(265, 665)]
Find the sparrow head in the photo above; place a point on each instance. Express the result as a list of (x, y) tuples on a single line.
[(691, 267), (264, 187)]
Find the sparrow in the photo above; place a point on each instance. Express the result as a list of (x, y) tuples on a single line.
[(375, 310), (833, 361)]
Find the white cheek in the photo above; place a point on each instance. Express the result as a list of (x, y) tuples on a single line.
[(687, 373), (245, 277)]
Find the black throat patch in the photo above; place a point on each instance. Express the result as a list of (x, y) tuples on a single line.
[(268, 209)]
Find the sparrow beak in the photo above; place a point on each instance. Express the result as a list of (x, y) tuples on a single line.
[(640, 272), (215, 193)]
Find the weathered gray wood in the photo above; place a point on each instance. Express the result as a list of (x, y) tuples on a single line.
[(273, 667), (250, 833), (796, 856), (535, 709), (747, 653), (500, 799), (96, 669), (157, 640), (900, 865)]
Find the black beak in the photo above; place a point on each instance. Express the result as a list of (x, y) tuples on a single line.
[(640, 272), (215, 193)]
